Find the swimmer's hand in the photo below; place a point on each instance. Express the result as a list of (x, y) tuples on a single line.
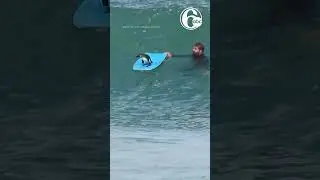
[(169, 55)]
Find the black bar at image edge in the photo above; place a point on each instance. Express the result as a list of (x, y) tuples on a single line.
[(264, 89)]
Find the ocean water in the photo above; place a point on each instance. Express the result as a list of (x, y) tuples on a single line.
[(160, 121)]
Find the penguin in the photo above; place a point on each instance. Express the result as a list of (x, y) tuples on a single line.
[(145, 59)]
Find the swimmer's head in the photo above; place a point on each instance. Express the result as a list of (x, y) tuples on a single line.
[(198, 49)]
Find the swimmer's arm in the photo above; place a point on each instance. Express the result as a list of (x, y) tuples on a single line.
[(181, 55), (170, 55)]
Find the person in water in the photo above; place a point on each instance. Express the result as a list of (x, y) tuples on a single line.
[(197, 55)]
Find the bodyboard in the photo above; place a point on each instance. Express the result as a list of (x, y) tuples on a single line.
[(156, 58)]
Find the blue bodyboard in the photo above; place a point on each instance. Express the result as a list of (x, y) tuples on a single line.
[(91, 14), (156, 58)]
